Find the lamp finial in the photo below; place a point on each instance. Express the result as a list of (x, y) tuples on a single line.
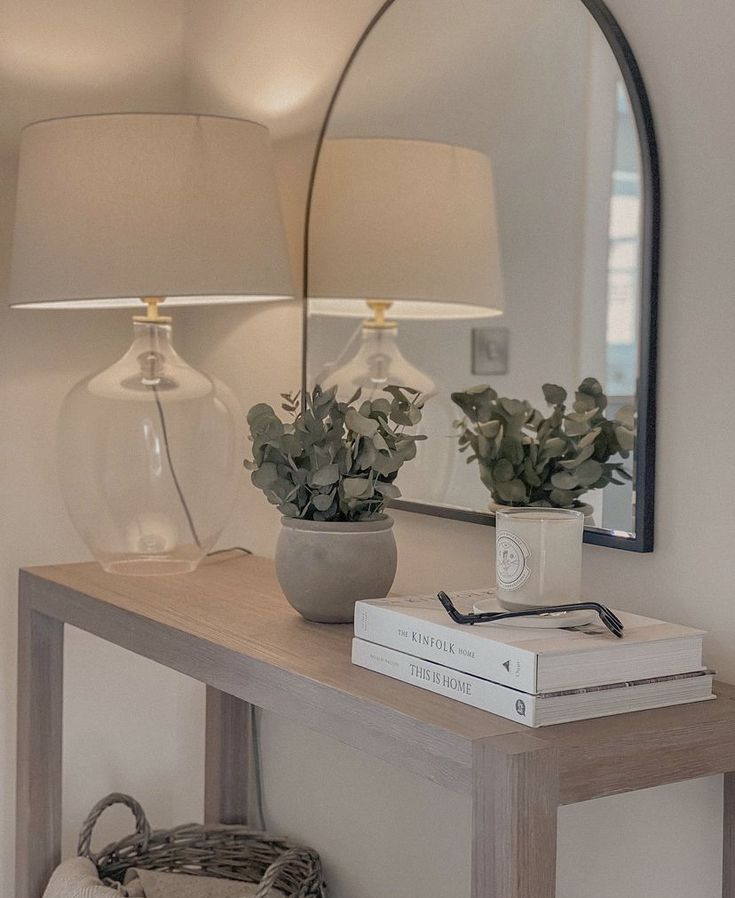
[(152, 316), (379, 307)]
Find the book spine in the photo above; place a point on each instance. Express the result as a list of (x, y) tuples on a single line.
[(463, 688), (459, 649)]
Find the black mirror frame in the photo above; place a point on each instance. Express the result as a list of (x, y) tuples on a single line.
[(644, 475)]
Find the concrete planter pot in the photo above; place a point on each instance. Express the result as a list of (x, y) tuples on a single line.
[(325, 567)]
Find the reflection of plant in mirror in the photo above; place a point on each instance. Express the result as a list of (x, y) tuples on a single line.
[(334, 461), (526, 459)]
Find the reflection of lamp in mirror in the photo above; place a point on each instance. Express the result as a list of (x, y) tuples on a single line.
[(112, 210), (377, 362), (405, 228)]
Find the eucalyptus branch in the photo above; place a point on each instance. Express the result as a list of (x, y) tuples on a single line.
[(527, 459), (332, 460)]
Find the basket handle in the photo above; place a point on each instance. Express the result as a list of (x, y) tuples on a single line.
[(142, 827)]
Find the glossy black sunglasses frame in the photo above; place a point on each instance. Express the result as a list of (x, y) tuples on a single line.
[(608, 618)]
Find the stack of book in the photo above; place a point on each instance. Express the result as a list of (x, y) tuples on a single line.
[(535, 676)]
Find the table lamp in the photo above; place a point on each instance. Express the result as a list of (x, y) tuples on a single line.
[(131, 210), (406, 228)]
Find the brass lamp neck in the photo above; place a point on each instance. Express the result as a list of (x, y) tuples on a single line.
[(152, 316), (379, 307)]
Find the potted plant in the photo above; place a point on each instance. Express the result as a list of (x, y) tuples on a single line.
[(330, 468), (526, 459)]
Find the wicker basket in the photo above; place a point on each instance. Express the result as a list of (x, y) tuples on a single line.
[(222, 851)]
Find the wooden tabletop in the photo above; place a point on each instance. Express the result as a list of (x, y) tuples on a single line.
[(228, 625)]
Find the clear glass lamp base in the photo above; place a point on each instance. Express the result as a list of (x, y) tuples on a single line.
[(150, 459), (377, 364), (149, 565)]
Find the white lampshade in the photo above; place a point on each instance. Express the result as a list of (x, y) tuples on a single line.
[(111, 208), (407, 221)]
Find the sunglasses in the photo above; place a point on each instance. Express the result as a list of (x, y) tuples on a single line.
[(608, 619)]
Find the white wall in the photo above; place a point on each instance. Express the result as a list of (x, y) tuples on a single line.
[(377, 828)]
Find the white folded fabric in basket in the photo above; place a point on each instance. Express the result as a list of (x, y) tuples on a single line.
[(152, 884), (77, 878)]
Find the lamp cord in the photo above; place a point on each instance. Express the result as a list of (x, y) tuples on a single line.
[(180, 492), (184, 505), (329, 367), (228, 550), (254, 722)]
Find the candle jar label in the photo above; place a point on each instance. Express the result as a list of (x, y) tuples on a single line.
[(511, 559)]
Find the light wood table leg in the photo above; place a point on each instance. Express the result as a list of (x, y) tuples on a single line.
[(728, 834), (40, 697), (227, 759), (515, 802)]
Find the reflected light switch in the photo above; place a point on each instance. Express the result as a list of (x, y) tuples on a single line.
[(490, 350)]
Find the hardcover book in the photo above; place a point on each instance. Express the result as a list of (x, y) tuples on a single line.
[(529, 659), (534, 710)]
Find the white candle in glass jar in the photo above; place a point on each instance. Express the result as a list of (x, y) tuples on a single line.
[(538, 557)]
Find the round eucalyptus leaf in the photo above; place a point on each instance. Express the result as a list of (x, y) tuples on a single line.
[(554, 394), (379, 443), (381, 406), (265, 476), (584, 402), (360, 424), (512, 449), (514, 407), (325, 476), (576, 427), (588, 473), (489, 429), (354, 487), (589, 438), (322, 501), (565, 480), (289, 510), (564, 498), (554, 447), (503, 471), (592, 386), (513, 491), (571, 463), (260, 411)]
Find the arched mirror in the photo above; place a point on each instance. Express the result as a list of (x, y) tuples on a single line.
[(483, 227)]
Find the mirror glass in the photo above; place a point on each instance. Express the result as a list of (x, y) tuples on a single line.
[(476, 219)]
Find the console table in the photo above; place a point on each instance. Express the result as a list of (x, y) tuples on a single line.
[(228, 625)]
